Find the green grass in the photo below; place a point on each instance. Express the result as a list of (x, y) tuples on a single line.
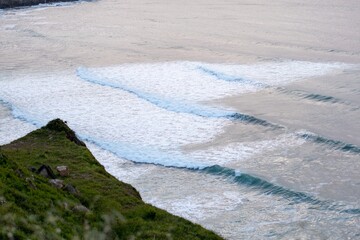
[(30, 208)]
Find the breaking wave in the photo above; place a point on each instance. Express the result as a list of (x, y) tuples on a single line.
[(334, 144), (174, 105), (148, 155), (230, 78)]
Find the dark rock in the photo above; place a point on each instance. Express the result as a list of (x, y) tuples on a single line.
[(71, 189), (58, 183), (60, 126), (63, 170), (46, 171), (81, 209)]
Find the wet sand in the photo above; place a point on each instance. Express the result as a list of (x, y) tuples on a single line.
[(111, 32)]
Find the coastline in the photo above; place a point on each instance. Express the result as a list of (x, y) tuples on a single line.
[(43, 44), (5, 4)]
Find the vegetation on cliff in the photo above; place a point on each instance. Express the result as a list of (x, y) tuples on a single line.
[(97, 206)]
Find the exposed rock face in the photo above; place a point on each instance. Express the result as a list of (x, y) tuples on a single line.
[(20, 3), (63, 170)]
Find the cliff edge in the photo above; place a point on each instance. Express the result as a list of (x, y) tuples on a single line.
[(52, 187)]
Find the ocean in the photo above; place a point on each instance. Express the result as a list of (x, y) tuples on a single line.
[(258, 148)]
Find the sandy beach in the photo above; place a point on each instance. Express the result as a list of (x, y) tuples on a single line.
[(107, 32)]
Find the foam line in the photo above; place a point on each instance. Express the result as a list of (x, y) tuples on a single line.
[(151, 156), (335, 144), (21, 115), (269, 188), (147, 155), (260, 184), (172, 105), (229, 78)]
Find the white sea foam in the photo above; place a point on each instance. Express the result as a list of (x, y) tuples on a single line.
[(178, 106), (272, 73), (201, 205), (12, 129), (98, 112), (186, 80), (119, 167), (8, 26), (145, 154), (199, 202), (140, 112), (179, 80), (238, 152)]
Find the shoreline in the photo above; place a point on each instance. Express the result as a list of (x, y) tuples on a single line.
[(43, 45), (8, 4)]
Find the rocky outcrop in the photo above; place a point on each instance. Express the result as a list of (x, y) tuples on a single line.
[(60, 126), (63, 171), (46, 171), (21, 3)]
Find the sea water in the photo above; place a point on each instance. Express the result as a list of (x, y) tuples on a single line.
[(264, 150), (156, 126)]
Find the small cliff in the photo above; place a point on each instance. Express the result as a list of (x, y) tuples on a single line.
[(52, 187)]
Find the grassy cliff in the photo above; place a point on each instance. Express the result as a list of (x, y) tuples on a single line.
[(97, 206)]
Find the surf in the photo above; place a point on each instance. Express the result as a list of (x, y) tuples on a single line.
[(176, 106)]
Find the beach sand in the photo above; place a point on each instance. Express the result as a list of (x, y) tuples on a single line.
[(111, 32)]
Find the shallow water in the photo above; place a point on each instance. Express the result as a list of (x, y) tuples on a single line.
[(250, 145)]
